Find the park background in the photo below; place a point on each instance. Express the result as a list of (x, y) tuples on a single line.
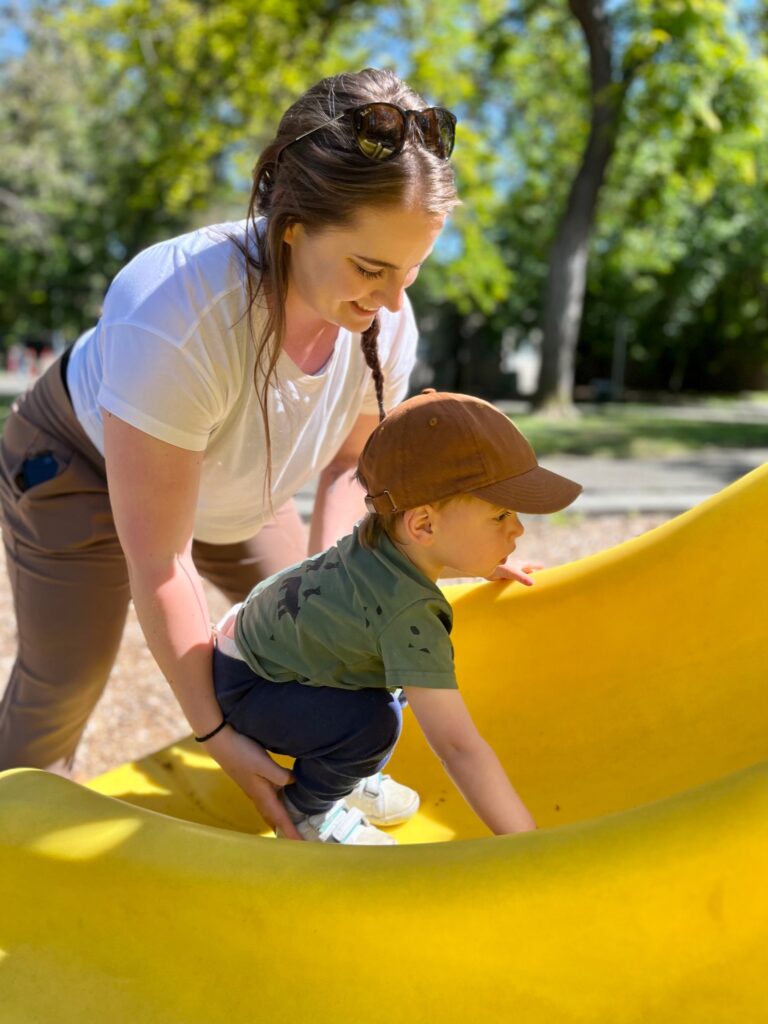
[(605, 279)]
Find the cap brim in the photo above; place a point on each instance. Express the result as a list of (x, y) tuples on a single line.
[(539, 491)]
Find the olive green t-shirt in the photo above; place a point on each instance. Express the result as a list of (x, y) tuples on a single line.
[(349, 618)]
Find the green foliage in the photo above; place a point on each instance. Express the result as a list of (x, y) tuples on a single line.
[(127, 121), (681, 239)]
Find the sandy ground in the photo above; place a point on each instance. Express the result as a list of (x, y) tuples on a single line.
[(137, 713)]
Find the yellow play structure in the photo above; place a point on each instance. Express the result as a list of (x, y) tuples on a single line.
[(627, 695)]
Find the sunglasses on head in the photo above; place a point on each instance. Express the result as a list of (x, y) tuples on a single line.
[(380, 130)]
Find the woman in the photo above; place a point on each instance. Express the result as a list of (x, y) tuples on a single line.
[(229, 366)]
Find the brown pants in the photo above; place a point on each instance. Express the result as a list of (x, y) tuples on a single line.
[(70, 580)]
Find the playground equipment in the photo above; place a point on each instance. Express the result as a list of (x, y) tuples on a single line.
[(625, 694)]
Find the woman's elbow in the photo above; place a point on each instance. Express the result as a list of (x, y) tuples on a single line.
[(150, 566)]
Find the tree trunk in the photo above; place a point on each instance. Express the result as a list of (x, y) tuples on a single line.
[(567, 278)]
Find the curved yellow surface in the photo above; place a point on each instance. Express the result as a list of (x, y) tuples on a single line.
[(626, 695)]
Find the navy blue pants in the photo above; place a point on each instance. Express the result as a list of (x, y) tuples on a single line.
[(337, 736)]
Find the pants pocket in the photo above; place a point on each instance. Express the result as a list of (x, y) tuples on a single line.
[(52, 497)]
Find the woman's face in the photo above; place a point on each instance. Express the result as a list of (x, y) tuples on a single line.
[(343, 276)]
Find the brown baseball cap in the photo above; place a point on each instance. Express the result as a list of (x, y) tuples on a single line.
[(438, 444)]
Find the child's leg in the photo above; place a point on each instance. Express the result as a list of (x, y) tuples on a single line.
[(360, 735), (337, 736)]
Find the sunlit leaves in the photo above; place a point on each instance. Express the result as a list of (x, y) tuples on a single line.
[(120, 123)]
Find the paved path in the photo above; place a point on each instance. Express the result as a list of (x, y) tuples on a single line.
[(672, 484)]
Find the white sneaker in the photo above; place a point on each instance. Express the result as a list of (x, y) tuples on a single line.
[(340, 824), (384, 801)]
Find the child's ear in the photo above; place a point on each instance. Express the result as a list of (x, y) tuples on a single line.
[(417, 524)]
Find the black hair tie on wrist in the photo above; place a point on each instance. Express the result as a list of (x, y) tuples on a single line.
[(208, 736)]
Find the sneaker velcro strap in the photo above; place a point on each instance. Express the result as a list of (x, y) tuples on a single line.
[(372, 785), (340, 824)]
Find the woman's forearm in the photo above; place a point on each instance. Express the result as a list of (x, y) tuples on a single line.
[(483, 783), (338, 506), (173, 613)]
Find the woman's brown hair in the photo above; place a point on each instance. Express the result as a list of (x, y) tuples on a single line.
[(322, 182)]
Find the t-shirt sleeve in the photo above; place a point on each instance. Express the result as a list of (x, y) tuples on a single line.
[(415, 647), (397, 355), (160, 386)]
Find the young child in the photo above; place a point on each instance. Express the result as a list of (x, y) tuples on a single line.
[(311, 663)]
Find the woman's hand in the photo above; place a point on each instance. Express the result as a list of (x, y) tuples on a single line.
[(514, 569), (254, 771)]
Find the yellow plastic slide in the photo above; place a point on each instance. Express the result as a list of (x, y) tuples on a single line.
[(627, 696)]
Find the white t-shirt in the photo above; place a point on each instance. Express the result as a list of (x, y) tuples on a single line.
[(172, 356)]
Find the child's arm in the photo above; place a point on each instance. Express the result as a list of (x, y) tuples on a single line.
[(468, 759)]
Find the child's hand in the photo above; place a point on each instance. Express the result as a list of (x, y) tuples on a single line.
[(514, 569)]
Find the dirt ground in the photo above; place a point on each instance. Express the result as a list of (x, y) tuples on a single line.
[(138, 714)]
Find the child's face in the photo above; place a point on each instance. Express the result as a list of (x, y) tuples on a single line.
[(473, 536)]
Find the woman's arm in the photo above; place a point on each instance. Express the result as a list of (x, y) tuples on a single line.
[(339, 500), (468, 759), (153, 489)]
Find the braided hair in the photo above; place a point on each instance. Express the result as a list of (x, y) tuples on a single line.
[(369, 345)]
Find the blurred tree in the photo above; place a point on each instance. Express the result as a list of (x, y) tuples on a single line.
[(685, 112), (567, 276), (665, 64), (127, 121), (121, 122), (679, 262), (539, 121)]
